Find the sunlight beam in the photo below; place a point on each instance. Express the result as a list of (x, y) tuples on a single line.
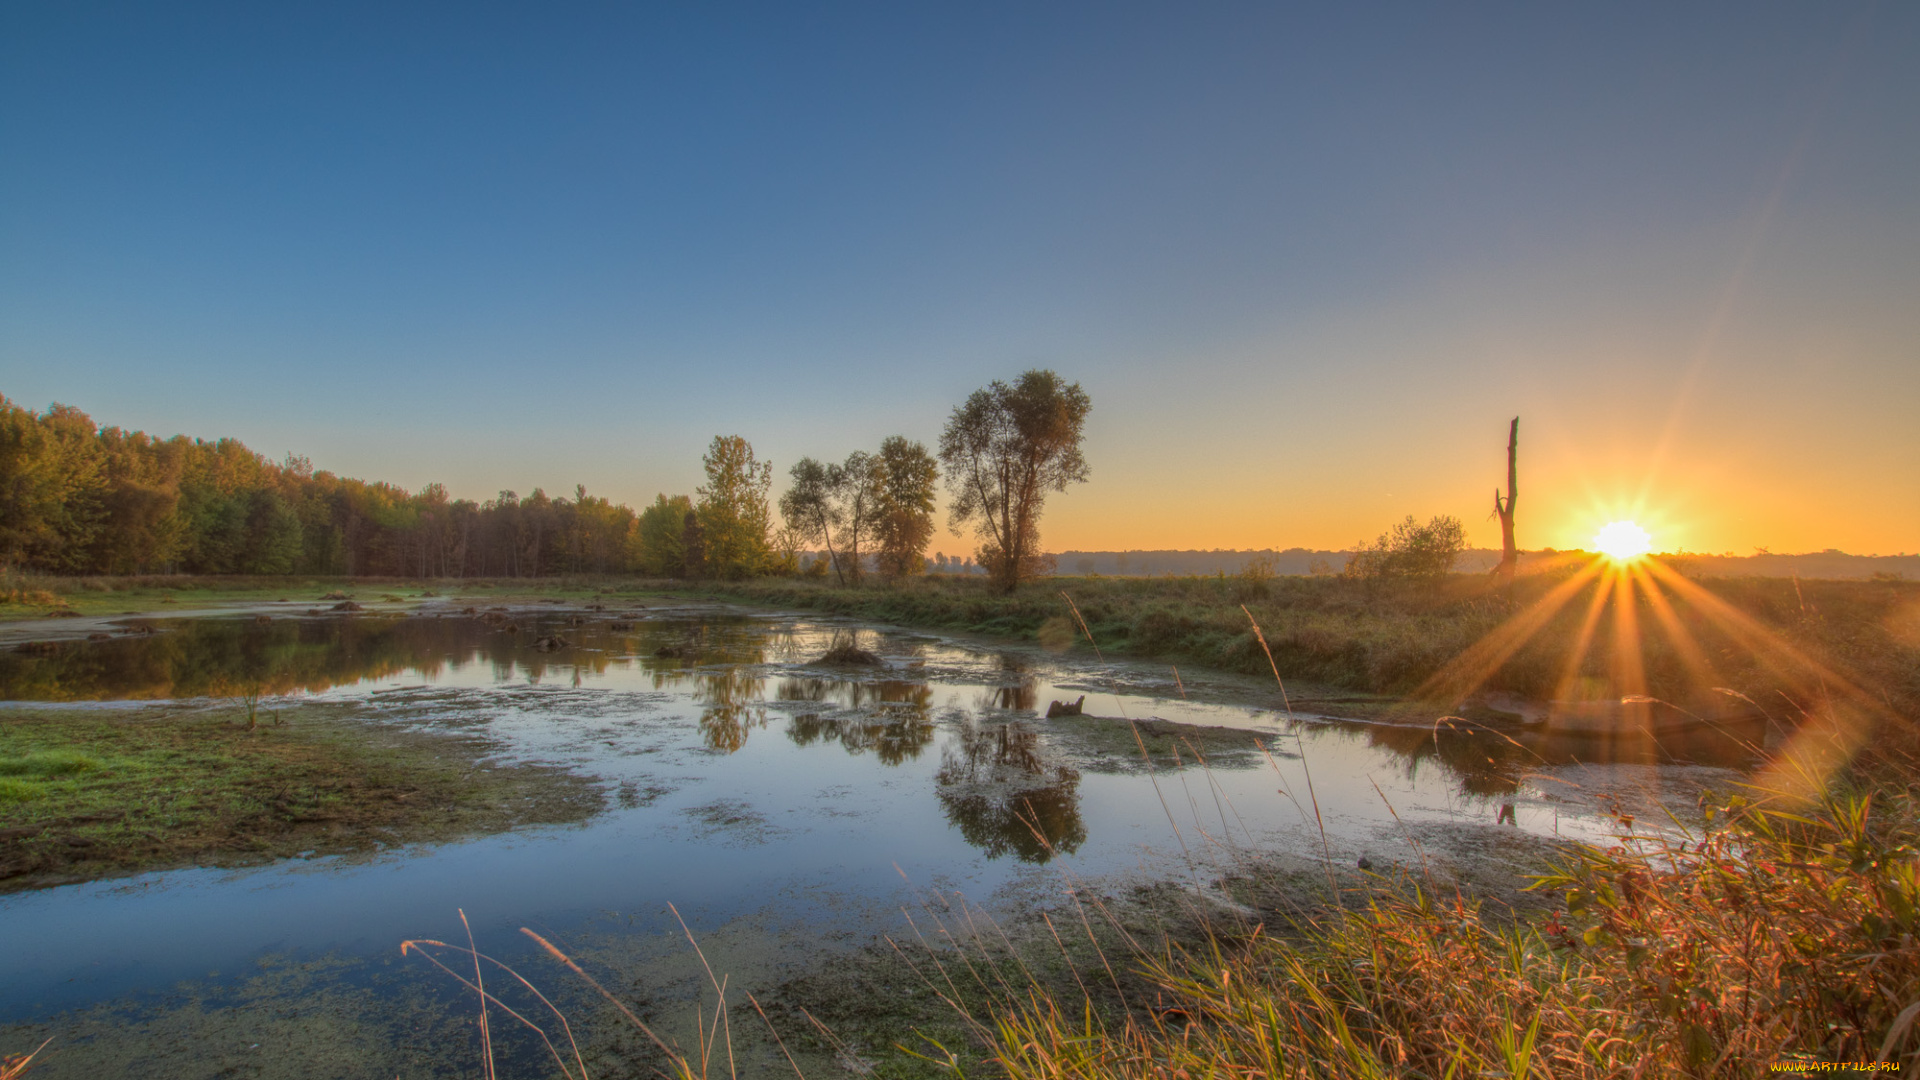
[(1469, 670), (1577, 656), (1699, 668)]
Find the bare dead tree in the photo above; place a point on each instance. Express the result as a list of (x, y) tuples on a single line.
[(1509, 555)]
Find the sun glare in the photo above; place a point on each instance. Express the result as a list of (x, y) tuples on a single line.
[(1622, 541)]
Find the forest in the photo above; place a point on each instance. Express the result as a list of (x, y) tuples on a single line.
[(78, 498)]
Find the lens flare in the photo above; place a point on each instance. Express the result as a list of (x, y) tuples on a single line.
[(1623, 541)]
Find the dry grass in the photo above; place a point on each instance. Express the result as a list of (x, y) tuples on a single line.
[(1394, 637), (14, 1066), (1779, 937), (1786, 932), (711, 1056)]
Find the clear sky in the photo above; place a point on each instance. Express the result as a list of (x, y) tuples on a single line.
[(1307, 260)]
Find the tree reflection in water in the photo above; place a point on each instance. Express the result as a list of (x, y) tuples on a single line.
[(733, 706), (1020, 697), (892, 717), (1003, 795)]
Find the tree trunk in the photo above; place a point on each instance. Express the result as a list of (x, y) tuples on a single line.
[(1509, 555)]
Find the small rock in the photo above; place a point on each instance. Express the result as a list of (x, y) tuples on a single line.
[(346, 605)]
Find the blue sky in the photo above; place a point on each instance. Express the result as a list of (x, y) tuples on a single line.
[(1306, 261)]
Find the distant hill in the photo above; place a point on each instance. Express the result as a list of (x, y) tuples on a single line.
[(1821, 564)]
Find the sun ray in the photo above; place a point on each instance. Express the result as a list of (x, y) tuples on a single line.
[(1838, 717), (1627, 667), (1699, 668), (1818, 678), (1468, 671), (1577, 656)]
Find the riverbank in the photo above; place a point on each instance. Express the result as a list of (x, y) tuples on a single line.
[(44, 596), (1399, 638), (1391, 638), (105, 792)]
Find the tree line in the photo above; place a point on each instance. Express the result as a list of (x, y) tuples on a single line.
[(78, 498)]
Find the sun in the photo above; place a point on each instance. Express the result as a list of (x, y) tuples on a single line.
[(1623, 541)]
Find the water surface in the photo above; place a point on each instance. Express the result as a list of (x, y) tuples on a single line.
[(749, 780)]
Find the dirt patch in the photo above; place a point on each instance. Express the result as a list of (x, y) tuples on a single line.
[(86, 795)]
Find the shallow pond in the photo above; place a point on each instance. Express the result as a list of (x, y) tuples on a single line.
[(752, 786)]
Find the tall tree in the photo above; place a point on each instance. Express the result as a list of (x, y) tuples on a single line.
[(734, 518), (1004, 449), (51, 487), (904, 525), (658, 548), (810, 509), (1509, 555), (856, 490)]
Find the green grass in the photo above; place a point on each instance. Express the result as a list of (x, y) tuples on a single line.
[(43, 764), (95, 794)]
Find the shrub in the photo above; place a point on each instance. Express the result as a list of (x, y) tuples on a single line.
[(1410, 550)]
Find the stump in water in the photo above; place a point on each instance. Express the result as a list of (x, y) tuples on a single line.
[(1061, 708)]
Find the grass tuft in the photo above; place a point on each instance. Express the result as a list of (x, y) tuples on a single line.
[(44, 764)]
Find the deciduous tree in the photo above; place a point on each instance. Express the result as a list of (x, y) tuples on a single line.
[(1004, 450), (734, 518), (810, 509), (657, 537), (906, 475)]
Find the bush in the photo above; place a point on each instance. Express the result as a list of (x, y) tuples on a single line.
[(1410, 550)]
